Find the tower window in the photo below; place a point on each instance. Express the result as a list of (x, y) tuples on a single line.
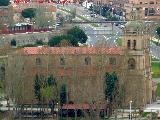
[(134, 44), (129, 44), (38, 61), (131, 63), (87, 61), (151, 2), (112, 61), (62, 61)]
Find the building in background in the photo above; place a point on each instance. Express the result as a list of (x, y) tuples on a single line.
[(102, 2), (6, 15), (148, 9)]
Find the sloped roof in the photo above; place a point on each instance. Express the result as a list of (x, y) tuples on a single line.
[(71, 50)]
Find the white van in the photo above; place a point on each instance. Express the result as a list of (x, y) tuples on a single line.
[(158, 100)]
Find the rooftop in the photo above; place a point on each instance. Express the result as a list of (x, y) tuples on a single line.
[(135, 25), (71, 50)]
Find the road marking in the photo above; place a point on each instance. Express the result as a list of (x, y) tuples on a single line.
[(105, 37)]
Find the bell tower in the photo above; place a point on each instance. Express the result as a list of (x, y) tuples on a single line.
[(136, 42)]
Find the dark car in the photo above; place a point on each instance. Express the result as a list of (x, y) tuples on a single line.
[(116, 24)]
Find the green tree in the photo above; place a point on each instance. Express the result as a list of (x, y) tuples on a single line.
[(91, 8), (39, 42), (4, 2), (158, 31), (29, 13), (54, 41), (63, 94), (111, 89), (158, 90), (78, 34), (13, 42), (37, 88), (47, 92)]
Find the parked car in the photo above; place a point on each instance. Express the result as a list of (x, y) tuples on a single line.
[(158, 100), (93, 15), (116, 24), (121, 26)]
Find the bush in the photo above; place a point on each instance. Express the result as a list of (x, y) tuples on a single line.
[(13, 42), (29, 13), (4, 2), (54, 41), (39, 42), (78, 34)]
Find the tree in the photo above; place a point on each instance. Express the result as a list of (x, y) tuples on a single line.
[(39, 42), (78, 34), (111, 89), (91, 8), (43, 19), (29, 13), (4, 2), (13, 42), (63, 94), (37, 87), (54, 41), (45, 87), (158, 31)]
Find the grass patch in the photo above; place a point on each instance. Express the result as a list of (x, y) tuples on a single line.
[(145, 114), (158, 89), (119, 41), (156, 69)]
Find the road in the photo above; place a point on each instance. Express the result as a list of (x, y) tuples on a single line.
[(105, 33), (155, 50)]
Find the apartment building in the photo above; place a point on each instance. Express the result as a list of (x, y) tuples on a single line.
[(148, 9)]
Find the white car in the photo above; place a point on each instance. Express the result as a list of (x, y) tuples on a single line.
[(158, 100), (121, 26)]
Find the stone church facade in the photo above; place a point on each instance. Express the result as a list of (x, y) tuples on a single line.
[(83, 69)]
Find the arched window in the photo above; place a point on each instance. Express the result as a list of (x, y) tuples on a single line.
[(134, 44), (112, 61), (129, 44), (87, 61), (62, 61), (38, 61), (131, 63)]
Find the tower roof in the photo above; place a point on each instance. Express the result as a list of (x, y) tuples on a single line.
[(135, 26)]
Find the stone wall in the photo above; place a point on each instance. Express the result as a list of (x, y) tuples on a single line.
[(28, 38)]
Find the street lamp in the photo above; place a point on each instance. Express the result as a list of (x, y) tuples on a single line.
[(57, 111), (130, 110)]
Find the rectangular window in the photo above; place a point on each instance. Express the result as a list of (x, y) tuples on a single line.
[(112, 61), (38, 61)]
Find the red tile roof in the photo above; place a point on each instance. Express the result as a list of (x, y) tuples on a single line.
[(71, 50)]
